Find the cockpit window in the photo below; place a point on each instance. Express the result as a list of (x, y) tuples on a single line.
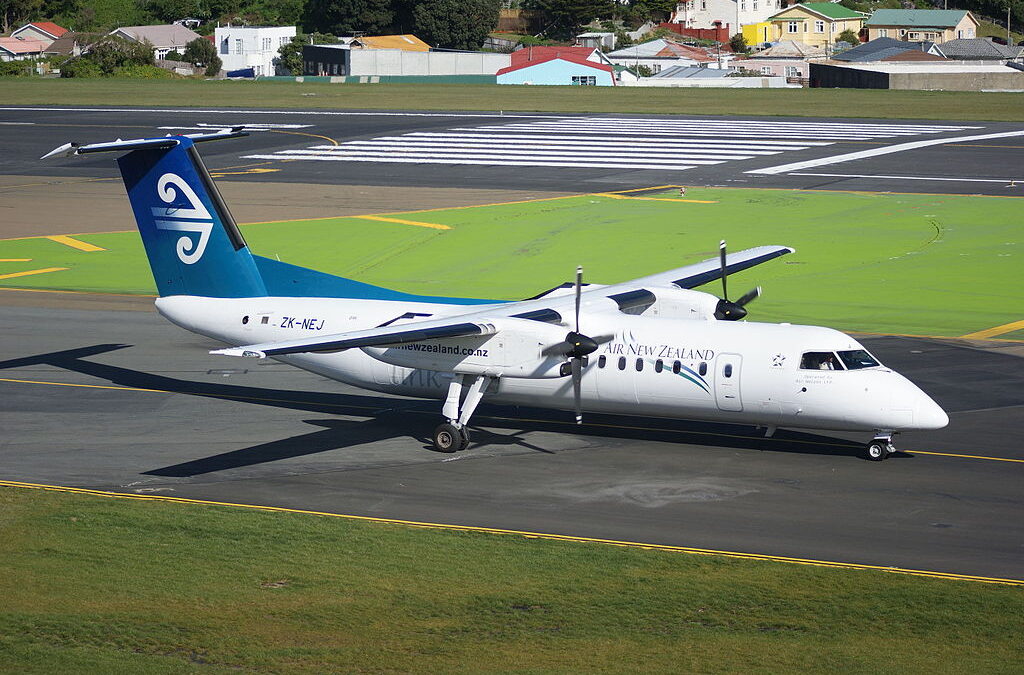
[(820, 361), (856, 359)]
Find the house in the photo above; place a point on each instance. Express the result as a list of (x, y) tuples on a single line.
[(45, 31), (814, 23), (889, 49), (339, 60), (526, 54), (557, 68), (912, 25), (409, 43), (724, 13), (980, 49), (18, 49), (255, 47), (784, 59), (164, 39), (596, 40), (658, 55), (70, 43)]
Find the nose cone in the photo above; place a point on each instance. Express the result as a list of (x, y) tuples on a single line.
[(928, 414)]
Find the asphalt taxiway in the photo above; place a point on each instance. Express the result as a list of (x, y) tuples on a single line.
[(95, 395), (122, 401)]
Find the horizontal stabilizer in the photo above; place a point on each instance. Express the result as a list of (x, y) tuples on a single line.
[(167, 142)]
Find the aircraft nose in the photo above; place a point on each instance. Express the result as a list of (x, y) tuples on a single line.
[(928, 414)]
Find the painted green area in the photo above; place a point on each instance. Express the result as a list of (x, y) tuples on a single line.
[(920, 264), (104, 585), (886, 104)]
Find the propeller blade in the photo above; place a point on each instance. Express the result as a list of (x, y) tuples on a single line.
[(752, 294), (579, 291), (577, 382), (721, 258)]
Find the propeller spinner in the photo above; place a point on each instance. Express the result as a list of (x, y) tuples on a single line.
[(727, 310)]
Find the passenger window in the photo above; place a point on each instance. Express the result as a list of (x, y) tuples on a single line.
[(727, 371), (703, 369), (601, 360), (264, 320), (819, 361), (639, 365), (622, 363), (659, 365), (676, 367)]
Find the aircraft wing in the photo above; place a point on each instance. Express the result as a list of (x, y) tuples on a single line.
[(374, 337), (708, 270)]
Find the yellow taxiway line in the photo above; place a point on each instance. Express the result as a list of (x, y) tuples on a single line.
[(612, 195), (347, 406), (401, 221), (995, 330), (31, 272), (15, 259), (526, 534), (74, 243)]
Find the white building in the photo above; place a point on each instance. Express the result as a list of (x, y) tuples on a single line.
[(715, 13), (253, 47)]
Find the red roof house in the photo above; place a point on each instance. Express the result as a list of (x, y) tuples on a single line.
[(39, 30), (557, 68)]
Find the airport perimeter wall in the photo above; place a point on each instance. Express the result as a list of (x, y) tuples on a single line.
[(831, 76)]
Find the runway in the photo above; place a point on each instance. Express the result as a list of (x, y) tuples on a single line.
[(95, 395), (158, 415), (523, 151)]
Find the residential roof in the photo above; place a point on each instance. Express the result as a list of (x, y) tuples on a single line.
[(409, 43), (661, 48), (979, 48), (527, 54), (65, 44), (883, 49), (19, 46), (694, 72), (570, 58), (917, 18), (787, 49), (829, 10), (160, 36), (47, 27)]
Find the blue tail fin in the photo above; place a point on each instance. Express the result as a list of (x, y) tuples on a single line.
[(193, 243)]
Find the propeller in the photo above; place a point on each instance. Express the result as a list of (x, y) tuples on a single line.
[(727, 310), (579, 346)]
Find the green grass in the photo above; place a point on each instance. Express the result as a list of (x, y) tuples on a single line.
[(103, 585), (989, 29), (934, 105), (921, 264)]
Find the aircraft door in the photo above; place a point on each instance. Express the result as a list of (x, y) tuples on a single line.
[(727, 382)]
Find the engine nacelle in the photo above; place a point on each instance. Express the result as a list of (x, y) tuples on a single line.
[(681, 303)]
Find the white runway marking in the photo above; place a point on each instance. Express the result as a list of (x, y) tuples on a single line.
[(955, 180), (875, 152), (604, 142)]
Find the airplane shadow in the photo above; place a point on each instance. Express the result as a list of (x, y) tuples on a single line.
[(389, 419)]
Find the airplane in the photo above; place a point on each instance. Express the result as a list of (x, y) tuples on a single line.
[(652, 346)]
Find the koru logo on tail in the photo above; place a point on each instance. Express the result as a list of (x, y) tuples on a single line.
[(193, 218)]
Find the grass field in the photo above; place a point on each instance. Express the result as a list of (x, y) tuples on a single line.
[(933, 105), (920, 264), (92, 584)]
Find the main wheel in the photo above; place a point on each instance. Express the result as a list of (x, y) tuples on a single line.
[(877, 451), (449, 438)]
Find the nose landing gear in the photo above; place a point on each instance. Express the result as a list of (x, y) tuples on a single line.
[(880, 447)]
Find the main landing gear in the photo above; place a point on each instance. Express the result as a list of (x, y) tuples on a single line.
[(880, 447), (453, 436)]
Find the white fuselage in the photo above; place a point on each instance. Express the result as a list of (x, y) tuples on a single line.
[(741, 372)]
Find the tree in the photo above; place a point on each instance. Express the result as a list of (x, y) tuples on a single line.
[(342, 17), (738, 44), (108, 56), (455, 24), (202, 53), (564, 17), (14, 13), (849, 36)]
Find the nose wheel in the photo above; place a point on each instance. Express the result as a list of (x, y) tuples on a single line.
[(880, 448)]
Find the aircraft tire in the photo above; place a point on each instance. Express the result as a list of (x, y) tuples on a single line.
[(449, 438), (877, 451)]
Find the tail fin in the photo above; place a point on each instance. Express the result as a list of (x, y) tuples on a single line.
[(193, 244)]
